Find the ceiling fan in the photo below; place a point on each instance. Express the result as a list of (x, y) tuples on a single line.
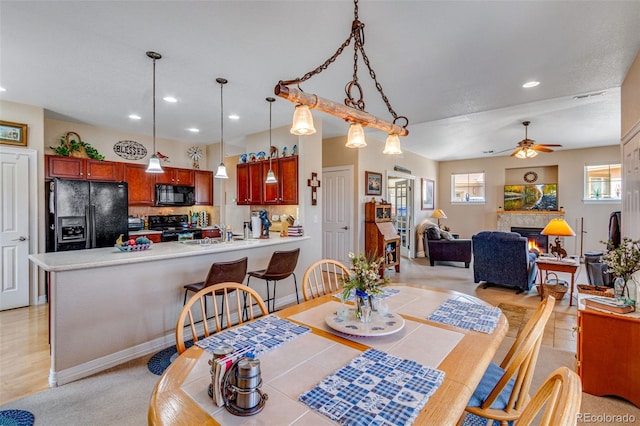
[(527, 148)]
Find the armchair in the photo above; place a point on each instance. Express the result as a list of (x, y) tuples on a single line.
[(503, 258)]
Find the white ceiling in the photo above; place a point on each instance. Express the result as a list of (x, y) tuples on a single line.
[(454, 68)]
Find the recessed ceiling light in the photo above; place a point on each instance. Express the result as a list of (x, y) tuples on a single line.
[(2, 89), (135, 117), (530, 84), (234, 117), (193, 130), (170, 99)]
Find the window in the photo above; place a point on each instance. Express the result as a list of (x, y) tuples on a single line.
[(467, 188), (603, 182)]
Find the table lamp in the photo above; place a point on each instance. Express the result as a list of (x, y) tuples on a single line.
[(439, 214), (560, 228)]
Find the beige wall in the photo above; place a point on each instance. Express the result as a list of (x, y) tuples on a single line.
[(630, 141), (468, 219), (370, 158), (630, 97)]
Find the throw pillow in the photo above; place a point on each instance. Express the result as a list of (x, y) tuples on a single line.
[(433, 233), (445, 235)]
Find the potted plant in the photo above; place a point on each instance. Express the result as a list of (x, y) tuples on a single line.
[(624, 262), (76, 147), (365, 282)]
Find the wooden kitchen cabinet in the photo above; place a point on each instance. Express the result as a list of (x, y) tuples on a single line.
[(141, 184), (249, 183), (381, 238), (176, 176), (57, 166), (204, 187), (286, 190), (607, 354)]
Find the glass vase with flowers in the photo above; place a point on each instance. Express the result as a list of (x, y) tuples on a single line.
[(624, 262), (365, 283)]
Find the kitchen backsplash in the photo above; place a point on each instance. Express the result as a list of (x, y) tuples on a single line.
[(212, 211)]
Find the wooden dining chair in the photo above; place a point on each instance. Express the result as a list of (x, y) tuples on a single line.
[(326, 276), (503, 391), (562, 394), (194, 311)]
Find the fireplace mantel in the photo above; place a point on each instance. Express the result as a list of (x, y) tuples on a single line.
[(526, 219)]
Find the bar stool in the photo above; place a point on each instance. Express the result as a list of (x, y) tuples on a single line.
[(281, 266), (219, 272)]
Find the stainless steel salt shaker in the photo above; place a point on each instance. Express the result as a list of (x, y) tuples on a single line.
[(248, 381)]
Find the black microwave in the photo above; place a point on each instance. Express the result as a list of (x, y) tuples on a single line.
[(175, 195)]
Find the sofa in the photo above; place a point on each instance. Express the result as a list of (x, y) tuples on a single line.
[(503, 258), (441, 246)]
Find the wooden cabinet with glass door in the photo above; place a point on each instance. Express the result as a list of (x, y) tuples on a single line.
[(381, 238)]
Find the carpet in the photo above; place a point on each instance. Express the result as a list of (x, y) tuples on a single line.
[(16, 418), (161, 360)]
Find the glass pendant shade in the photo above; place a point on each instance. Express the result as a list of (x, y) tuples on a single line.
[(531, 153), (526, 153), (271, 177), (392, 145), (221, 173), (355, 137), (154, 165), (302, 121)]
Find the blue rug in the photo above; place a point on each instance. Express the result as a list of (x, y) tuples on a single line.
[(16, 418), (160, 361)]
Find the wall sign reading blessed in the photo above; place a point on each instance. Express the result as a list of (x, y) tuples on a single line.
[(131, 150)]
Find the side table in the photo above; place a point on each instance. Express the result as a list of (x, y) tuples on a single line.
[(552, 265)]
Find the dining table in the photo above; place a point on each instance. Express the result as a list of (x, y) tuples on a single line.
[(454, 348)]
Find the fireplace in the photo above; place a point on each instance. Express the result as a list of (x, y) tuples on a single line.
[(536, 239)]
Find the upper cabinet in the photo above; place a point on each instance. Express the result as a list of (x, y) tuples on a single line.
[(175, 176), (82, 168), (285, 191), (249, 183), (204, 187), (141, 184)]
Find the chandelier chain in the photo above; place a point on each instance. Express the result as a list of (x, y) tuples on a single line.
[(357, 35)]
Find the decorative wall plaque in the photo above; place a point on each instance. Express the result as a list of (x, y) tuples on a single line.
[(131, 150), (530, 177)]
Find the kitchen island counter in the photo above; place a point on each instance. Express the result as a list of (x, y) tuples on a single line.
[(107, 307), (111, 256)]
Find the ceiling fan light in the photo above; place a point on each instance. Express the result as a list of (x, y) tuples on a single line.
[(302, 121), (355, 137), (154, 165), (392, 145), (521, 154), (531, 153), (221, 173)]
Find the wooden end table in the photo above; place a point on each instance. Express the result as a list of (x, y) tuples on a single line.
[(552, 265)]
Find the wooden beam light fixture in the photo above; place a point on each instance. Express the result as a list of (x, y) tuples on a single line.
[(353, 110)]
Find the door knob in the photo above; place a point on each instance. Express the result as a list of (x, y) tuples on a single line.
[(22, 238), (345, 228)]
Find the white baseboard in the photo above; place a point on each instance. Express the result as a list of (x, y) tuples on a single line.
[(59, 378)]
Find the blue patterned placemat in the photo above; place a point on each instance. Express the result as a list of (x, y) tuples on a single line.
[(470, 316), (375, 389), (261, 336), (386, 293)]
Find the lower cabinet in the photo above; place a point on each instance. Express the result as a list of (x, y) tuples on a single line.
[(607, 354)]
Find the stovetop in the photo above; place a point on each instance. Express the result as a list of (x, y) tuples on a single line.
[(171, 222)]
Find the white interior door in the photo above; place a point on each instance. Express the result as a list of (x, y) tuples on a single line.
[(337, 214), (14, 230), (400, 195)]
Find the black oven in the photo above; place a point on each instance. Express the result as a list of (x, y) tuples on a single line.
[(175, 195)]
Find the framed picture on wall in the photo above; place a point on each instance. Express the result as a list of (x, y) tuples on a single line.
[(427, 194), (373, 183), (13, 133)]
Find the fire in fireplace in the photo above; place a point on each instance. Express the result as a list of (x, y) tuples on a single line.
[(536, 239)]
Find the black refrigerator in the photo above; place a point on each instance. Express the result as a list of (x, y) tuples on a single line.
[(85, 214)]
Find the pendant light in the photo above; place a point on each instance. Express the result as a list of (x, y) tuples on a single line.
[(355, 137), (154, 161), (302, 121), (392, 145), (271, 177), (221, 173)]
